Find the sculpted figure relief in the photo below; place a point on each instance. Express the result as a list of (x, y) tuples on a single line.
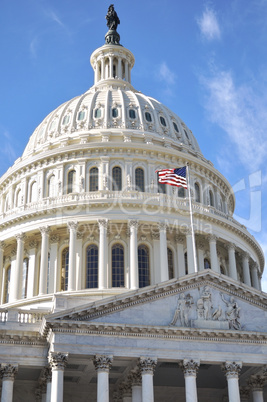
[(232, 313), (182, 310)]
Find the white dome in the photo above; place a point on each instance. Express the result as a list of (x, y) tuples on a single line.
[(110, 106)]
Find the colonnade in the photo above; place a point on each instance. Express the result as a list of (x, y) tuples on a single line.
[(112, 66), (50, 246), (136, 387)]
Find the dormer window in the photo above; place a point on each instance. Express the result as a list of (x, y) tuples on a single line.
[(115, 112), (66, 120), (148, 117), (163, 121), (132, 114), (97, 113), (81, 115), (175, 127)]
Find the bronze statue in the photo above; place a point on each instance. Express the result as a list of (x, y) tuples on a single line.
[(112, 18)]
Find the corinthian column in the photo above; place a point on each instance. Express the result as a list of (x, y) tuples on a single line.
[(8, 372), (2, 246), (256, 383), (58, 362), (18, 268), (232, 261), (72, 255), (102, 366), (190, 369), (147, 367), (102, 273), (213, 254), (164, 271), (232, 370), (44, 260), (255, 277), (245, 265), (134, 280), (136, 379)]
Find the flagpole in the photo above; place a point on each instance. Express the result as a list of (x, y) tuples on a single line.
[(191, 220)]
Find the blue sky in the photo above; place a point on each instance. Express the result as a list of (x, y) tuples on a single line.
[(206, 60)]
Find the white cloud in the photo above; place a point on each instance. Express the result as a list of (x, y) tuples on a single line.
[(209, 25), (240, 112), (7, 150), (166, 75), (33, 47), (55, 17)]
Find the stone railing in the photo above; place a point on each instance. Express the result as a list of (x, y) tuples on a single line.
[(84, 200), (21, 316)]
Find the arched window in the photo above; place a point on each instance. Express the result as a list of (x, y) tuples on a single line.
[(93, 179), (51, 191), (186, 263), (181, 192), (92, 266), (148, 117), (197, 192), (206, 263), (97, 113), (211, 198), (222, 270), (161, 186), (116, 179), (25, 271), (66, 120), (33, 192), (163, 121), (18, 198), (81, 115), (175, 127), (170, 263), (117, 256), (139, 180), (71, 181), (132, 114), (64, 269), (114, 112), (143, 266), (7, 284)]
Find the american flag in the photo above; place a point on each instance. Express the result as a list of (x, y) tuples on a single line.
[(174, 177)]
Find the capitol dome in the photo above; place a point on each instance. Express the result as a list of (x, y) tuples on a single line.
[(99, 258)]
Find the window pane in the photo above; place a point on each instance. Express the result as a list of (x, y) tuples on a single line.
[(25, 269), (139, 180), (66, 119), (163, 121), (97, 113), (181, 192), (132, 114), (175, 127), (7, 285), (51, 187), (143, 266), (206, 263), (92, 267), (71, 181), (161, 186), (65, 269), (93, 179), (33, 194), (116, 179), (115, 112), (170, 263), (81, 115), (117, 266), (197, 193), (48, 273), (148, 117)]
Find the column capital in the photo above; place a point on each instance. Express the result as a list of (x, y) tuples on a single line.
[(133, 223), (147, 365), (103, 223), (200, 245), (231, 369), (255, 266), (179, 239), (46, 374), (244, 392), (33, 244), (212, 238), (44, 230), (8, 371), (102, 362), (190, 367), (256, 382), (125, 388), (162, 226), (136, 377), (20, 237), (54, 238), (2, 245), (244, 254), (58, 360), (72, 225), (231, 246), (155, 236)]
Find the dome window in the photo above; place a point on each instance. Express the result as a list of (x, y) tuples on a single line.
[(93, 179), (163, 121), (132, 114), (170, 263), (148, 117), (143, 266), (92, 266), (66, 120), (53, 125), (186, 135), (97, 113), (117, 263), (175, 127), (64, 269), (114, 112), (81, 115), (116, 179), (139, 180)]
